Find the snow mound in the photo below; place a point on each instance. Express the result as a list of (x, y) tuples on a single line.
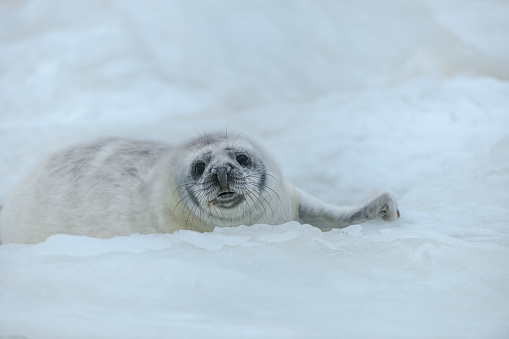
[(438, 271)]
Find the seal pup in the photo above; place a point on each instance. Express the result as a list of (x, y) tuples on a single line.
[(116, 187)]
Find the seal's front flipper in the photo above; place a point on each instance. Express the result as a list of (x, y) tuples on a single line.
[(326, 216)]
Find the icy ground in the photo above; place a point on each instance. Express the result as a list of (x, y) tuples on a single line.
[(348, 96)]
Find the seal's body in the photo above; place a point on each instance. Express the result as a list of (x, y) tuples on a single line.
[(116, 187)]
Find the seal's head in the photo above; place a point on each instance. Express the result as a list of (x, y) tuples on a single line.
[(225, 182)]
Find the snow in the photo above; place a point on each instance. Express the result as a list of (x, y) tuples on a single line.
[(348, 96)]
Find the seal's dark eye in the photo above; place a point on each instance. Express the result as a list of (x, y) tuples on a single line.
[(199, 168), (243, 160)]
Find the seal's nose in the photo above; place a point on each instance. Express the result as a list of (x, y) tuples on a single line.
[(221, 172)]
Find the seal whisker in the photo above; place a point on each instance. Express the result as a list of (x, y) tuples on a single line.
[(238, 136), (268, 204), (259, 206), (253, 194), (256, 175), (175, 208), (185, 199), (250, 198)]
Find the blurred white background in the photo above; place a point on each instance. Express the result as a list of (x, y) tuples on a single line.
[(348, 95)]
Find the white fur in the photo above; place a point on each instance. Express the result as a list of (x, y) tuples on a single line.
[(118, 187)]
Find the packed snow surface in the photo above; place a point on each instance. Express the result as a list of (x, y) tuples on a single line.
[(348, 96)]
